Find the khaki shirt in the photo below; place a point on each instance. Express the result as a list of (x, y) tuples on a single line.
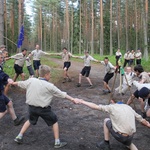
[(19, 59), (39, 93), (37, 54)]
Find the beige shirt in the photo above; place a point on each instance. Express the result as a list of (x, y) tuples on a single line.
[(28, 61), (129, 78), (109, 68), (87, 60), (40, 92), (138, 55), (37, 54), (122, 117), (127, 56), (19, 59), (66, 56), (132, 55)]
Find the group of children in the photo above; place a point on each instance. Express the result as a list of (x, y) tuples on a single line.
[(40, 92)]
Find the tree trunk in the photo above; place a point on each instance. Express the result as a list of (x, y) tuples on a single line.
[(1, 22), (126, 20), (145, 32), (92, 29), (111, 50), (136, 32), (118, 22), (101, 29), (80, 31)]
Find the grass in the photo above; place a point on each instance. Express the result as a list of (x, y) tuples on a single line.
[(55, 74)]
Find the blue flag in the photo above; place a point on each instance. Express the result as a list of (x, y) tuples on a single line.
[(21, 37)]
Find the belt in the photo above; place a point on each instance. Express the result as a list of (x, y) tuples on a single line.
[(123, 134)]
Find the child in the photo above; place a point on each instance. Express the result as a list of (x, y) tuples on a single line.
[(118, 123), (87, 68), (29, 65), (127, 81), (5, 103), (39, 96)]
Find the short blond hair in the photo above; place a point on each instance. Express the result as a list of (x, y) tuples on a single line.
[(43, 70)]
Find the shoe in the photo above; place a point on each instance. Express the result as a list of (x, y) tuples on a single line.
[(64, 80), (144, 114), (19, 140), (18, 121), (91, 86), (103, 145), (61, 144), (69, 80), (106, 91), (79, 84)]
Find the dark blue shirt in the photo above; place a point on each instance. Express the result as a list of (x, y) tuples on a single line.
[(3, 79)]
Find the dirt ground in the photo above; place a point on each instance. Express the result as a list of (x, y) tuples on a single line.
[(80, 126)]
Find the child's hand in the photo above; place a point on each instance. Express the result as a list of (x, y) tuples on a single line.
[(10, 81)]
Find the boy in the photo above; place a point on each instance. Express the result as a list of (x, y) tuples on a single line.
[(127, 81), (87, 68), (39, 96), (20, 59), (29, 65), (109, 70), (37, 54), (121, 123), (5, 103)]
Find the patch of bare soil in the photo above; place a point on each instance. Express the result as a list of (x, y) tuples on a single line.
[(80, 126)]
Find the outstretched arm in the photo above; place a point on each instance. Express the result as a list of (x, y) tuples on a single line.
[(89, 104), (145, 123)]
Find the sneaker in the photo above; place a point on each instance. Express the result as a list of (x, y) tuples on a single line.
[(106, 91), (19, 140), (64, 80), (103, 145), (79, 84), (61, 144), (18, 121), (69, 80), (91, 86)]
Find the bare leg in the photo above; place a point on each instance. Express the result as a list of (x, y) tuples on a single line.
[(22, 76), (15, 77), (37, 72), (142, 104), (106, 131), (106, 86), (25, 127), (11, 110), (148, 113), (80, 78), (56, 130), (89, 80), (132, 147), (3, 114)]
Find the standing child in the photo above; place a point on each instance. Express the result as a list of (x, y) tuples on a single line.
[(39, 96), (29, 65), (87, 68), (5, 104)]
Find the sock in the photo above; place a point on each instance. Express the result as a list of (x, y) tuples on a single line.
[(57, 141), (20, 135), (106, 141)]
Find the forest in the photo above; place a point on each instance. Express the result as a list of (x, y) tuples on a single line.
[(100, 26)]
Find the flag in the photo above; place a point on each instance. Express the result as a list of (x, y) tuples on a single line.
[(20, 37)]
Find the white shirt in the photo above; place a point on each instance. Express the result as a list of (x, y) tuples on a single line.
[(87, 60), (138, 55), (66, 56), (109, 68), (40, 92), (37, 54)]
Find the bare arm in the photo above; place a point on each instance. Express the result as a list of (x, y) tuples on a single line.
[(90, 104), (145, 123)]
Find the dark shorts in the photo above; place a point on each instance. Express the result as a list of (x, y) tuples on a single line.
[(108, 76), (67, 65), (36, 64), (126, 140), (3, 102), (45, 113), (86, 71), (18, 69), (31, 72)]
